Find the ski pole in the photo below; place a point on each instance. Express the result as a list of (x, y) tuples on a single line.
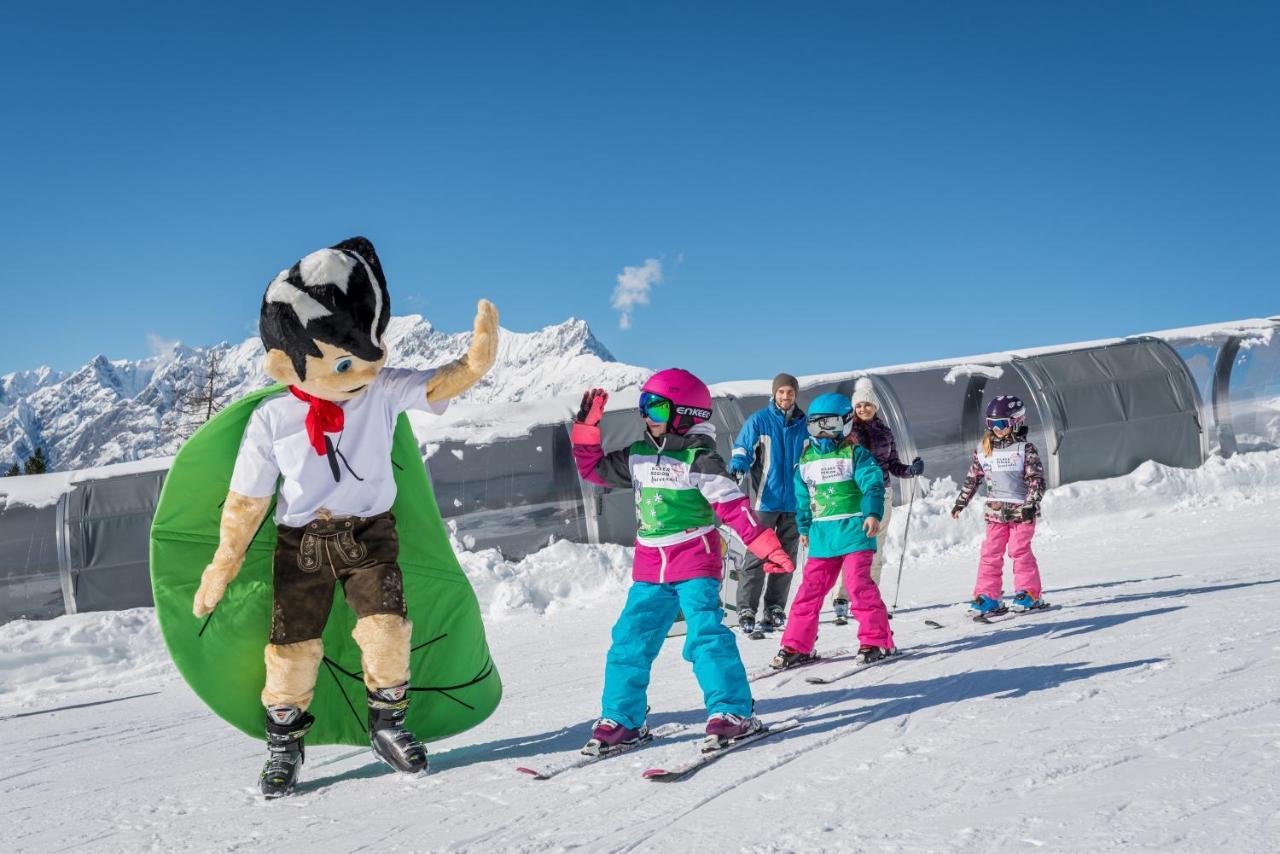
[(903, 556)]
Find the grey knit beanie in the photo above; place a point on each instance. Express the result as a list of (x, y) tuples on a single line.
[(782, 380)]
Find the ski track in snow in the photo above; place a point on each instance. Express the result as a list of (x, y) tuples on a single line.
[(1144, 714)]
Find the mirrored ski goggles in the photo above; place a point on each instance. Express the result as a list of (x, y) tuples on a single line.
[(655, 407), (999, 423), (833, 424)]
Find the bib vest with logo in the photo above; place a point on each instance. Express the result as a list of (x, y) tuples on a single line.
[(833, 492), (1003, 473), (668, 503)]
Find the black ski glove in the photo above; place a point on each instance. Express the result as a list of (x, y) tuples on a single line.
[(916, 468)]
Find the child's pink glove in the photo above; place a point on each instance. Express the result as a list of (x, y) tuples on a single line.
[(770, 550), (586, 427)]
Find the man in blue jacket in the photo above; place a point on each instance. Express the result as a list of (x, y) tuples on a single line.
[(770, 444)]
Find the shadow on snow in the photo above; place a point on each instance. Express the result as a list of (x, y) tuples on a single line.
[(901, 698)]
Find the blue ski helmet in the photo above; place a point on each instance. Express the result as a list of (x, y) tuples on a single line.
[(830, 414), (1007, 408)]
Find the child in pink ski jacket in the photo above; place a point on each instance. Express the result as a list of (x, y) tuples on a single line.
[(1014, 475), (681, 489)]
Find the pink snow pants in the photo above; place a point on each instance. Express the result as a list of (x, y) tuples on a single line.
[(1016, 536), (865, 604)]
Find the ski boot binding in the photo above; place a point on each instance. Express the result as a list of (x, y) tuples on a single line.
[(871, 654), (723, 728), (984, 606), (392, 743), (608, 735), (747, 621), (787, 658), (1024, 602), (286, 727)]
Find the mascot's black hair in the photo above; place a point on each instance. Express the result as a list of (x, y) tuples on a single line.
[(336, 295)]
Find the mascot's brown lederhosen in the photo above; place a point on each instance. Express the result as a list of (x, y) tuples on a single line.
[(327, 441)]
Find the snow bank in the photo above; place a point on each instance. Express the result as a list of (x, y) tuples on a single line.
[(1149, 490), (933, 532), (564, 575), (46, 661)]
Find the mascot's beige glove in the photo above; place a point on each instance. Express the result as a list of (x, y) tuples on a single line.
[(456, 377), (241, 517)]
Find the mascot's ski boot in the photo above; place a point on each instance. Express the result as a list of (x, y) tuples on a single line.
[(841, 607), (392, 743), (608, 735), (723, 728), (286, 726)]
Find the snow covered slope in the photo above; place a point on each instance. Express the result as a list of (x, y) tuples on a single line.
[(114, 411), (1143, 714)]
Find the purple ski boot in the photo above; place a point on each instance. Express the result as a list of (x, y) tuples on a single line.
[(723, 727), (609, 735)]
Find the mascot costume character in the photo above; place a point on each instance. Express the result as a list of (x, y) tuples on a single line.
[(331, 450)]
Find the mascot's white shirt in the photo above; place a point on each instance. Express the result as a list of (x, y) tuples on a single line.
[(275, 447)]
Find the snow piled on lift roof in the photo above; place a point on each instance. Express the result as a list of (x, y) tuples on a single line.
[(1254, 331), (44, 490)]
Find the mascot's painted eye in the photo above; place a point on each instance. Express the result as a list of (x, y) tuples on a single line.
[(343, 366)]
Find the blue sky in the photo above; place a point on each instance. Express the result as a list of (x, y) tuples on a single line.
[(825, 185)]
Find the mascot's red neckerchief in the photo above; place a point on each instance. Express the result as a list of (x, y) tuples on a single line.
[(323, 416)]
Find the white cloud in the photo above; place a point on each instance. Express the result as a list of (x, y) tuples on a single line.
[(634, 284), (159, 345)]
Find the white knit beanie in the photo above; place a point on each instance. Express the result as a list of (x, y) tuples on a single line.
[(864, 392)]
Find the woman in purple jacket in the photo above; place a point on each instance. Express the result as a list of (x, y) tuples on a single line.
[(872, 433)]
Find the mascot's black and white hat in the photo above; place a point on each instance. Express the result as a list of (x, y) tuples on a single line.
[(336, 295)]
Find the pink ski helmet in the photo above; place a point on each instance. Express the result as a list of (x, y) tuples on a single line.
[(676, 398)]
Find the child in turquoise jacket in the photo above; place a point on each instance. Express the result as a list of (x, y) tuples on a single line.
[(839, 502)]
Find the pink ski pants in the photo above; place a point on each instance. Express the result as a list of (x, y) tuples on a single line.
[(865, 604), (1016, 537)]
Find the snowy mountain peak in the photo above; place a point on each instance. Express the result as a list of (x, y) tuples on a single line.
[(21, 383), (116, 411)]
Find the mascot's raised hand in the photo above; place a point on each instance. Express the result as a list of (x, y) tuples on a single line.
[(456, 377)]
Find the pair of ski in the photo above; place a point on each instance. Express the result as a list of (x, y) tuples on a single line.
[(1005, 614), (665, 774), (706, 757), (832, 657)]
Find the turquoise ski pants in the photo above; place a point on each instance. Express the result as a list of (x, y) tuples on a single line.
[(650, 611)]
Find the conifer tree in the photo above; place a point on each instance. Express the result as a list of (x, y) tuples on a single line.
[(36, 463)]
